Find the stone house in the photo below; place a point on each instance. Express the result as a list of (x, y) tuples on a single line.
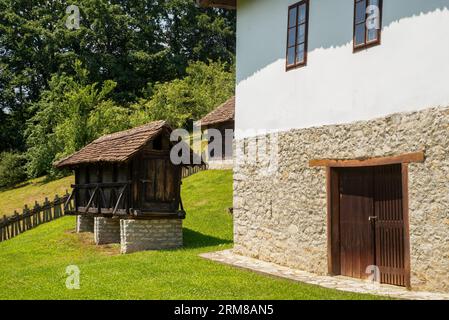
[(218, 127), (127, 189), (355, 95)]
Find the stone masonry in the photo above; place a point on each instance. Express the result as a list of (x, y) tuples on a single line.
[(107, 230), (84, 224), (140, 235), (281, 218)]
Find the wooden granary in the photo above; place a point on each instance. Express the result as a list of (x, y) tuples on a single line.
[(127, 176)]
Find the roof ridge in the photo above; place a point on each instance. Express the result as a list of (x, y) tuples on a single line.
[(120, 134)]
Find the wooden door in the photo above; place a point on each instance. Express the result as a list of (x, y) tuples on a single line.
[(389, 224), (372, 228), (356, 231), (160, 185)]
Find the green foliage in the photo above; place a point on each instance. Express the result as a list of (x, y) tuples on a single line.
[(66, 119), (73, 112), (204, 88), (33, 265), (12, 169), (134, 43)]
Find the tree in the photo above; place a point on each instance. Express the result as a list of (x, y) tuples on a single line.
[(134, 43), (204, 88), (12, 169), (62, 123)]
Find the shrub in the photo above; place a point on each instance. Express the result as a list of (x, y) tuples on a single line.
[(12, 169)]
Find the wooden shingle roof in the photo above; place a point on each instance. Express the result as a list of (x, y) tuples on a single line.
[(223, 113), (116, 147)]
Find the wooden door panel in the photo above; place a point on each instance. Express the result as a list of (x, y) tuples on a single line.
[(390, 227), (159, 185), (356, 234)]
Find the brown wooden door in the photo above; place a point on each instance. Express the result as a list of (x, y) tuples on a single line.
[(159, 185), (356, 231), (372, 228), (389, 224)]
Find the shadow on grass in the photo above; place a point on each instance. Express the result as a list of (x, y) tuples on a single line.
[(16, 186), (194, 239)]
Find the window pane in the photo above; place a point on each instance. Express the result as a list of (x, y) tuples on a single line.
[(373, 20), (302, 14), (291, 56), (300, 54), (372, 35), (291, 37), (292, 17), (360, 34), (302, 33), (360, 11)]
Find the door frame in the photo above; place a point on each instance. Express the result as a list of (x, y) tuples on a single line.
[(333, 205)]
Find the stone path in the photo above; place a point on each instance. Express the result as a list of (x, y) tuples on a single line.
[(339, 283)]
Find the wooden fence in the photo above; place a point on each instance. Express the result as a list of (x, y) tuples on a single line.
[(31, 218), (188, 171)]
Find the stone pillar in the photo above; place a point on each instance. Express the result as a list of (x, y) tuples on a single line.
[(107, 230), (141, 235), (84, 224)]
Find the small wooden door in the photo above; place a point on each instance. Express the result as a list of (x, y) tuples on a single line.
[(371, 223), (160, 185)]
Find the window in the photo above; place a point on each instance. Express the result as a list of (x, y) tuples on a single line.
[(297, 34), (367, 23)]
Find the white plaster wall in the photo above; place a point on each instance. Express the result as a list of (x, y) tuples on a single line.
[(408, 71)]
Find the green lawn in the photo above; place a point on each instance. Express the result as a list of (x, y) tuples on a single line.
[(32, 266)]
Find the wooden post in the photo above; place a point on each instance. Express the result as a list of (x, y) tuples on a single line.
[(36, 213), (56, 207), (17, 223), (47, 211)]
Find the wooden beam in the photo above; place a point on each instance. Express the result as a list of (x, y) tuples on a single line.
[(406, 217), (416, 157)]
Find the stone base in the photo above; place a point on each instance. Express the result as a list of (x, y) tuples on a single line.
[(107, 230), (84, 224), (221, 164), (141, 235)]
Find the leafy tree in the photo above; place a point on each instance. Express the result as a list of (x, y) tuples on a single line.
[(204, 88), (62, 123), (134, 43), (12, 169)]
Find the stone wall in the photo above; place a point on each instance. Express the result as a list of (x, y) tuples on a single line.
[(140, 235), (84, 224), (106, 230), (281, 217)]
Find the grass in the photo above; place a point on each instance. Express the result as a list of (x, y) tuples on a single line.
[(31, 191), (32, 265)]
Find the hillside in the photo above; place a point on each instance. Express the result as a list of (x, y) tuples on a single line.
[(31, 191), (32, 265)]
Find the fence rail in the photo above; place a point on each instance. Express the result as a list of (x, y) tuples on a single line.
[(188, 171), (16, 224)]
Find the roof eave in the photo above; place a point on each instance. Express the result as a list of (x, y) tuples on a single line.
[(224, 4)]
